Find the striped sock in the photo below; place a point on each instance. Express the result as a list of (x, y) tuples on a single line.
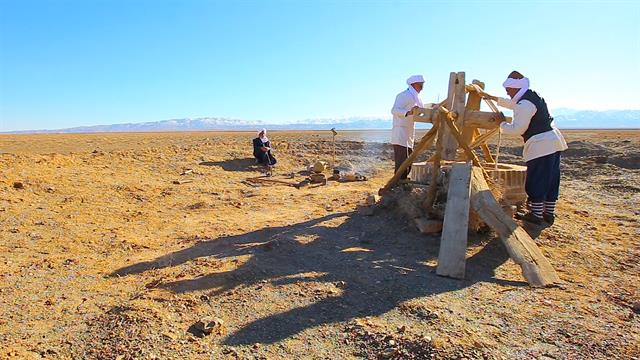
[(536, 208), (549, 207)]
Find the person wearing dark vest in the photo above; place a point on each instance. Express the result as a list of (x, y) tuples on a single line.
[(262, 150), (543, 144)]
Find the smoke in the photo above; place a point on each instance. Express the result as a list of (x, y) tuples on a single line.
[(363, 152)]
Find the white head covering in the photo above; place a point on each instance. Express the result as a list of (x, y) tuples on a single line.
[(412, 80), (415, 79), (264, 137), (522, 84)]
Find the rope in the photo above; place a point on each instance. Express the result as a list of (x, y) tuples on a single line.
[(498, 148), (495, 110)]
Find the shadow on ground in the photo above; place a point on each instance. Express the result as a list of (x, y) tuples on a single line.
[(246, 164), (377, 261)]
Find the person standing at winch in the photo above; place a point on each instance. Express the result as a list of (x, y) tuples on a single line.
[(543, 144), (403, 131)]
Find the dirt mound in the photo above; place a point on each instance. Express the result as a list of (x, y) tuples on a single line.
[(584, 149), (627, 162), (123, 333), (620, 154)]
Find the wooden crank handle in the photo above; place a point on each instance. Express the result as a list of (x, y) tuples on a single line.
[(480, 91)]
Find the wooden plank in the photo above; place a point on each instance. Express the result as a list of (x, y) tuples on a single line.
[(453, 244), (428, 226), (536, 268), (271, 181)]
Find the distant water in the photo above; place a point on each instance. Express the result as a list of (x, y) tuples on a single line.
[(377, 136)]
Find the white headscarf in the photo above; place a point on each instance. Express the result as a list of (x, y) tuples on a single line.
[(264, 137), (522, 84), (412, 80)]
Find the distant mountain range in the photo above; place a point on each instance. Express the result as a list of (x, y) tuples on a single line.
[(565, 119), (571, 119)]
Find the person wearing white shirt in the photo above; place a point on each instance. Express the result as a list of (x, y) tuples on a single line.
[(403, 131), (543, 144)]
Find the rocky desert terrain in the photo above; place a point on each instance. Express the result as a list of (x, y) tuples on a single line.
[(116, 246)]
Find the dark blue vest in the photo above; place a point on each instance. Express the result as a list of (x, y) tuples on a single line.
[(541, 120)]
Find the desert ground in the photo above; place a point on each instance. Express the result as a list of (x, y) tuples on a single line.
[(103, 256)]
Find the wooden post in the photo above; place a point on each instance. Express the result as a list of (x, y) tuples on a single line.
[(435, 169), (453, 244), (449, 144), (473, 103), (469, 133), (536, 268)]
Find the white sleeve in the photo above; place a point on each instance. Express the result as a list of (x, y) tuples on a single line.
[(401, 105), (522, 114), (506, 103)]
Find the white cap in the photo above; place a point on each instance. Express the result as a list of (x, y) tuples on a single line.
[(415, 79)]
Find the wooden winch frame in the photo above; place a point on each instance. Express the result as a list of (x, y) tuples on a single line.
[(456, 125)]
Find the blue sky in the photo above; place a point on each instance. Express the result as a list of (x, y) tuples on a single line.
[(71, 63)]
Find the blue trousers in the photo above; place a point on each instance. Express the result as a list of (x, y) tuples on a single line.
[(543, 178)]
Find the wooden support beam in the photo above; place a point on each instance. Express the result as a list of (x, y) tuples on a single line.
[(425, 115), (485, 149), (423, 145), (479, 141), (473, 103), (536, 268), (456, 134), (449, 145), (483, 138), (483, 119), (435, 169), (453, 243)]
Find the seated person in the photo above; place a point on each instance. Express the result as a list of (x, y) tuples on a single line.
[(262, 149)]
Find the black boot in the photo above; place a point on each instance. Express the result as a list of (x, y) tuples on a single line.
[(529, 217), (549, 218)]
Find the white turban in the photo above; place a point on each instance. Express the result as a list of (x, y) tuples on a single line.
[(264, 137), (522, 84), (415, 79), (412, 80)]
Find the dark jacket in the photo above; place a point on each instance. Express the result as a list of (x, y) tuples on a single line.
[(541, 120), (263, 157), (257, 146)]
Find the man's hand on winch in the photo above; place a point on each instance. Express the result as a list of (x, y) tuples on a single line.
[(488, 96), (412, 111)]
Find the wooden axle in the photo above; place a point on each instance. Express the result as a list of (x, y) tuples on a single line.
[(472, 118)]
